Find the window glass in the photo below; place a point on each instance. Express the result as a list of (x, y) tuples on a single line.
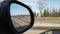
[(46, 13)]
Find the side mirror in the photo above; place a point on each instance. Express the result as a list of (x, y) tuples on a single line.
[(21, 16)]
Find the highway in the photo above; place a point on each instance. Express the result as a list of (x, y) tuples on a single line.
[(19, 22)]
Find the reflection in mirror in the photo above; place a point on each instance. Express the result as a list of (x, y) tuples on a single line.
[(20, 17)]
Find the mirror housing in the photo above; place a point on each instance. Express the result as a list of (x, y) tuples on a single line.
[(31, 15)]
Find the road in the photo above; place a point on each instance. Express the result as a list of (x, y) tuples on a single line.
[(19, 22), (39, 26)]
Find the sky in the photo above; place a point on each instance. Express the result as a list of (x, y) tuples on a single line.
[(34, 5), (16, 9)]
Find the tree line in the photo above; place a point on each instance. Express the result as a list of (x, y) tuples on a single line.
[(53, 13)]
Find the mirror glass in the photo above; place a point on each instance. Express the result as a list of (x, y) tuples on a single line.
[(20, 17)]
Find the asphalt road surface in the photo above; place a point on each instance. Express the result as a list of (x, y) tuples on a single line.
[(20, 22)]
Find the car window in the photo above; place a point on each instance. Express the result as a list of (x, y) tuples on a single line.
[(47, 15)]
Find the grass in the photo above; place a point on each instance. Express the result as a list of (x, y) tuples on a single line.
[(48, 19)]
